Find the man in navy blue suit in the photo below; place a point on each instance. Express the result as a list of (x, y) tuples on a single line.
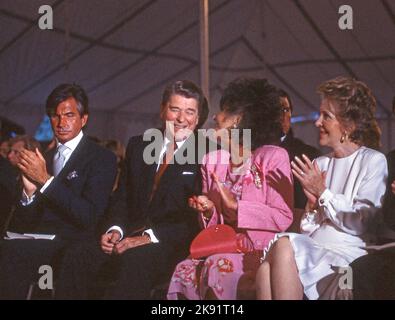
[(374, 273), (8, 182), (65, 193), (151, 225)]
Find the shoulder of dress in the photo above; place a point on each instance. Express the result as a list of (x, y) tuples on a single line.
[(216, 157), (269, 152)]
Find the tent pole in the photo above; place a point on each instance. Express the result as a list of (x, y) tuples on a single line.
[(389, 134), (204, 49), (67, 40)]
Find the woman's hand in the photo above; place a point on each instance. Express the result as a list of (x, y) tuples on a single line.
[(202, 204), (229, 203), (310, 177)]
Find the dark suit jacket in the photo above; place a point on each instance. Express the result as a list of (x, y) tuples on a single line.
[(389, 199), (168, 214), (297, 147), (76, 199), (8, 190)]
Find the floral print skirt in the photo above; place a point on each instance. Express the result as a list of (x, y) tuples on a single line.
[(230, 276)]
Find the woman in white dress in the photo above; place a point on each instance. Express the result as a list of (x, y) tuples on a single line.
[(344, 191)]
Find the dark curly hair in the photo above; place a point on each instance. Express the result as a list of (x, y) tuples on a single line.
[(64, 92), (258, 103), (29, 143), (356, 108)]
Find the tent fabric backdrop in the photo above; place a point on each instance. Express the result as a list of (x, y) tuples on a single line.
[(124, 52)]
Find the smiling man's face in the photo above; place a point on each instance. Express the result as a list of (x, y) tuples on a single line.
[(183, 112)]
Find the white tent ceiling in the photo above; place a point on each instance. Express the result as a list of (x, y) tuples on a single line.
[(123, 52)]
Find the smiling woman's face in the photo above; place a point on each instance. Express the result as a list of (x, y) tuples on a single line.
[(330, 128)]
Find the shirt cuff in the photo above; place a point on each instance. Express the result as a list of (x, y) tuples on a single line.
[(26, 200), (151, 235), (46, 184), (116, 228), (325, 197)]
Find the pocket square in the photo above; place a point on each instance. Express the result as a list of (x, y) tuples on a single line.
[(187, 172), (72, 175)]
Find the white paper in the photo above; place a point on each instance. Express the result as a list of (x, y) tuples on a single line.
[(381, 247), (14, 235)]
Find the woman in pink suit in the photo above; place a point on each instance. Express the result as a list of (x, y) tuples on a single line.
[(248, 187)]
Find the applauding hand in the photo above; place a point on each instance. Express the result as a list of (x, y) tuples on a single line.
[(310, 177), (29, 187), (33, 166)]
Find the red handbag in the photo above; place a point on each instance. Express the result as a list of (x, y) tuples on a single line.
[(219, 238)]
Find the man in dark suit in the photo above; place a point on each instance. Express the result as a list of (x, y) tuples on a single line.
[(151, 226), (294, 146), (8, 182), (65, 194), (374, 273)]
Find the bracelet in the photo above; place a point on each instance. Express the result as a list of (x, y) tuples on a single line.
[(204, 215), (310, 214)]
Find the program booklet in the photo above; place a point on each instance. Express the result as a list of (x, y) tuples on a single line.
[(13, 235)]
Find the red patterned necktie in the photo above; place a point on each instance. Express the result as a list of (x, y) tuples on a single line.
[(167, 157)]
